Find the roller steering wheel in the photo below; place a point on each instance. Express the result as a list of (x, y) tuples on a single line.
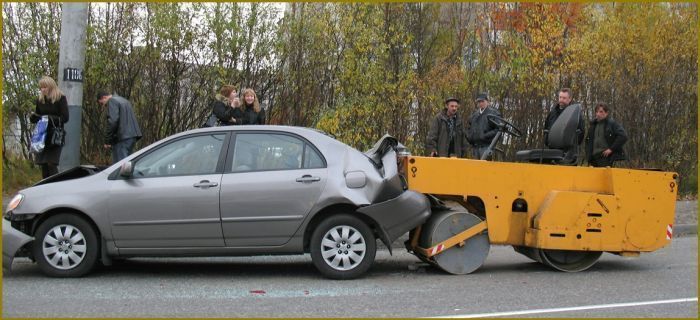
[(503, 125)]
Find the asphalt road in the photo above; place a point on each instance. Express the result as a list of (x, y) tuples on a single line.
[(659, 284)]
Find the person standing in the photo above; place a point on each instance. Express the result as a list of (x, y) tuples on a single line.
[(605, 139), (122, 130), (52, 103), (446, 135), (480, 130), (252, 113), (226, 106), (565, 100)]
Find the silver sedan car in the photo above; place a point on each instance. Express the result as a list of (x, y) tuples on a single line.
[(223, 191)]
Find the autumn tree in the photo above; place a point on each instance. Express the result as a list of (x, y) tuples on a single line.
[(360, 70)]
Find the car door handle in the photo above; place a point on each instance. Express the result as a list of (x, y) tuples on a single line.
[(308, 178), (205, 184)]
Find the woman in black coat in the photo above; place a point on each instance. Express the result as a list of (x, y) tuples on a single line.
[(226, 106), (252, 113), (51, 103)]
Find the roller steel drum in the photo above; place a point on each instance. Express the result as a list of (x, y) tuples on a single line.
[(457, 259)]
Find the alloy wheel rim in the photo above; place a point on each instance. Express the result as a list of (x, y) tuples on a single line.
[(343, 248), (64, 247)]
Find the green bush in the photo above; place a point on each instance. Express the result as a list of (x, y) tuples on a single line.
[(689, 185), (18, 174)]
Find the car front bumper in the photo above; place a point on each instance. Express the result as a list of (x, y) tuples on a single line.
[(398, 215), (12, 240)]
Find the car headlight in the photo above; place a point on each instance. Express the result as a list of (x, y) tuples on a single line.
[(15, 202)]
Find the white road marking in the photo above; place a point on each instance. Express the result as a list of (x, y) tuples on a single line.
[(600, 306)]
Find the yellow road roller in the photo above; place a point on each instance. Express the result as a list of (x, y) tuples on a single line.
[(562, 216)]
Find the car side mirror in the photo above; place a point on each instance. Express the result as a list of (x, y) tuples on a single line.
[(127, 169)]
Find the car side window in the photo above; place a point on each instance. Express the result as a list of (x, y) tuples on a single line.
[(311, 158), (269, 151), (189, 156)]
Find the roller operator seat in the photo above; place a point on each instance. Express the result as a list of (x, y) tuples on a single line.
[(561, 141)]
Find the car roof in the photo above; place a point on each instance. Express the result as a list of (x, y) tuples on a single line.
[(260, 128), (312, 133)]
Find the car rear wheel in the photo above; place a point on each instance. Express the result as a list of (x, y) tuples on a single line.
[(343, 247), (65, 245)]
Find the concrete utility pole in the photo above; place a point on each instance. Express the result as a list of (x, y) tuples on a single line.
[(71, 61)]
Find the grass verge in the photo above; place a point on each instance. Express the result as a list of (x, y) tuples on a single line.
[(18, 174)]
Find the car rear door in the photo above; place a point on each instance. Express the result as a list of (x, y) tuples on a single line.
[(271, 182)]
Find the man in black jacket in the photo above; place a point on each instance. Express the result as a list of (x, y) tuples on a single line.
[(122, 130), (605, 139), (481, 131)]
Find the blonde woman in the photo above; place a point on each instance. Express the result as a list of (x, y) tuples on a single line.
[(252, 113), (52, 103)]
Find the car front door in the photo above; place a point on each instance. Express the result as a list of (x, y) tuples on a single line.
[(272, 181), (172, 198)]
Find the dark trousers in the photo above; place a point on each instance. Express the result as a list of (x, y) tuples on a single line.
[(48, 169), (600, 161), (122, 149)]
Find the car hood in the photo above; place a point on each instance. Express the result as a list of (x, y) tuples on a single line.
[(72, 173)]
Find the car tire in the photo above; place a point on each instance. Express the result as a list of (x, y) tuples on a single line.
[(65, 245), (343, 247)]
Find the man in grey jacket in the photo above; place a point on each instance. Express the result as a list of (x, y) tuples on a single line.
[(446, 136), (481, 131), (122, 130)]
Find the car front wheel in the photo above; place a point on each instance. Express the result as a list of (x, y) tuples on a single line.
[(343, 247), (65, 245)]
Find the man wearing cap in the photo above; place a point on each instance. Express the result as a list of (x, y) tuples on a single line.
[(122, 130), (480, 130), (446, 136)]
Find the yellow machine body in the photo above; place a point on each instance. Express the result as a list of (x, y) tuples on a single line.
[(623, 211)]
